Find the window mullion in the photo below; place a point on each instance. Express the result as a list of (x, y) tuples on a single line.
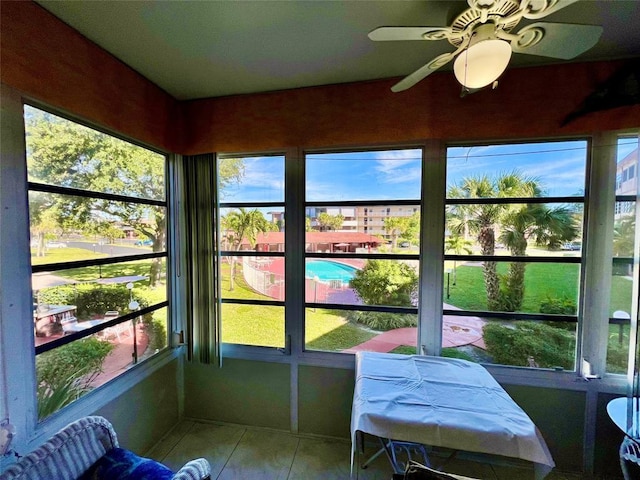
[(294, 233), (598, 252), (17, 366), (434, 166)]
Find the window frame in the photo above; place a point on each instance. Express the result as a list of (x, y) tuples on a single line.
[(17, 355), (155, 360), (242, 350), (431, 256), (571, 200)]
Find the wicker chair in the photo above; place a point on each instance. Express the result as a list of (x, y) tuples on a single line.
[(74, 449), (630, 457)]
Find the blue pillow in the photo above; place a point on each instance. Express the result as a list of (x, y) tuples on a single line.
[(125, 465)]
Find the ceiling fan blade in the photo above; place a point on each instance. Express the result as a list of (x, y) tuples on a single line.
[(410, 80), (556, 40), (541, 8), (410, 33)]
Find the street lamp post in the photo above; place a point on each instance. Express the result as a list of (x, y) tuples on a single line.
[(448, 271), (133, 305), (315, 290)]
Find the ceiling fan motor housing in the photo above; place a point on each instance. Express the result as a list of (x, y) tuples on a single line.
[(472, 19)]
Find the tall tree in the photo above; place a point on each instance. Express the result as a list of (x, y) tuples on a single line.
[(64, 153), (517, 224), (43, 222), (624, 236), (395, 226), (405, 228), (532, 221), (329, 222), (240, 226), (479, 219)]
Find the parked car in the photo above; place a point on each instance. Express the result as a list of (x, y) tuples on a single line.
[(405, 244), (56, 245), (572, 246), (143, 243)]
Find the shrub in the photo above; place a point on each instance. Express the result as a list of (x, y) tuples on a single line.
[(383, 320), (622, 270), (617, 356), (447, 352), (513, 344), (62, 295), (450, 352), (66, 373), (90, 299), (386, 282), (155, 326), (559, 306)]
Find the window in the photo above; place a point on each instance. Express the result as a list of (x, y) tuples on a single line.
[(515, 245), (251, 235), (98, 228), (361, 285), (338, 246), (624, 238), (513, 252)]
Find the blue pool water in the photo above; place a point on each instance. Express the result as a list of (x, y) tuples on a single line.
[(326, 270)]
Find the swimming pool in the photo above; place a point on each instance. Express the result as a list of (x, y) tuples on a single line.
[(326, 270)]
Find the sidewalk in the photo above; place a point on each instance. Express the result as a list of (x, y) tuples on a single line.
[(121, 357), (456, 332)]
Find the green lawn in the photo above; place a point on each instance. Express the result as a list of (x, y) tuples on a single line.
[(55, 255), (264, 326), (329, 330), (541, 280), (87, 274)]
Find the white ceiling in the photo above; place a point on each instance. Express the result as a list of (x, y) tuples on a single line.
[(198, 49)]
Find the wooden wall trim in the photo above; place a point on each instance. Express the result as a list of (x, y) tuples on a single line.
[(50, 62), (528, 103)]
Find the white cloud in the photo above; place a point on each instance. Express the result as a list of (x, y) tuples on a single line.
[(395, 166)]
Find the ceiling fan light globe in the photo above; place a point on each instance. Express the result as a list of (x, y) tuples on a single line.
[(482, 63)]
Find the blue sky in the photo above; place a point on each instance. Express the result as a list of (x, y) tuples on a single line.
[(395, 174)]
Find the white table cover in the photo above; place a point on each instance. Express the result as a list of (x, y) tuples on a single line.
[(442, 402)]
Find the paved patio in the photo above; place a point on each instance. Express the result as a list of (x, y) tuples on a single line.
[(457, 331), (121, 357)]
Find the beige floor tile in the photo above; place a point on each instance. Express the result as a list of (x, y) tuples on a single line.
[(321, 459), (216, 443), (379, 469), (238, 453), (162, 448), (261, 455)]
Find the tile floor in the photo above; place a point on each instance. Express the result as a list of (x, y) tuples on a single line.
[(239, 453)]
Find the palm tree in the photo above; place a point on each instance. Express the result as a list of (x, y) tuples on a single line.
[(458, 245), (521, 223), (623, 242), (623, 236), (243, 225), (517, 223), (479, 219)]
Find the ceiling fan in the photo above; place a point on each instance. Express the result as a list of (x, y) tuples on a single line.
[(484, 42)]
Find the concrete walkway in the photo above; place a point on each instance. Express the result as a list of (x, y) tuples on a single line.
[(121, 357), (456, 332)]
